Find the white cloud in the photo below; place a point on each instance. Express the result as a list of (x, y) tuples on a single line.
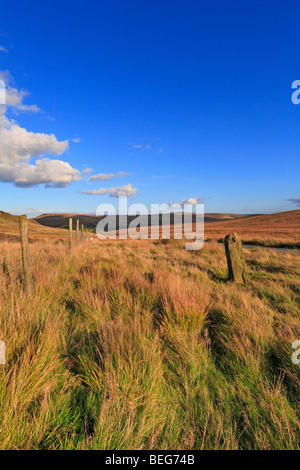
[(3, 49), (19, 146), (51, 173), (186, 202), (77, 140), (108, 176), (15, 97), (126, 190)]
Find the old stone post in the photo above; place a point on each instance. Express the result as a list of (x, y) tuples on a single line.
[(235, 259)]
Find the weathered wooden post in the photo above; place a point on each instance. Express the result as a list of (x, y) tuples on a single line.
[(70, 234), (82, 227), (235, 259), (25, 253), (77, 231)]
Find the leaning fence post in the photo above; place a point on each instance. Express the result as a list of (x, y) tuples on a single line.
[(77, 231), (70, 234), (25, 253), (82, 226)]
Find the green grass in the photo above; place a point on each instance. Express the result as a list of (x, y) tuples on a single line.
[(142, 345)]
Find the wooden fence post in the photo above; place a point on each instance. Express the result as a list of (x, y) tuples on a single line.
[(25, 253), (70, 234), (82, 226), (77, 231)]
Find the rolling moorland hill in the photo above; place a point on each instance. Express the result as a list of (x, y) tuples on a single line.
[(9, 227), (279, 228), (60, 220)]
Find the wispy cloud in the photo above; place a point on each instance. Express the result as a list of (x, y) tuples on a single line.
[(86, 171), (147, 143), (77, 140), (108, 176), (3, 49), (187, 202), (126, 190), (295, 200), (141, 147)]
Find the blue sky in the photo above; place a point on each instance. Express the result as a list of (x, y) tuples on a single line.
[(176, 99)]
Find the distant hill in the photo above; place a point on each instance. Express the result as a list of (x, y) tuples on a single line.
[(90, 221), (281, 226), (280, 220), (9, 227), (10, 223)]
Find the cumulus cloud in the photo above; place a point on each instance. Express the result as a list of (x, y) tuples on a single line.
[(19, 147), (126, 190), (186, 202), (295, 200), (51, 173), (15, 97), (108, 176)]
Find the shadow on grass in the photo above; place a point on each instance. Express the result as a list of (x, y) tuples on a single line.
[(215, 277)]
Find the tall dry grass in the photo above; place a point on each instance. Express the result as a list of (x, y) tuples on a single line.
[(142, 345)]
